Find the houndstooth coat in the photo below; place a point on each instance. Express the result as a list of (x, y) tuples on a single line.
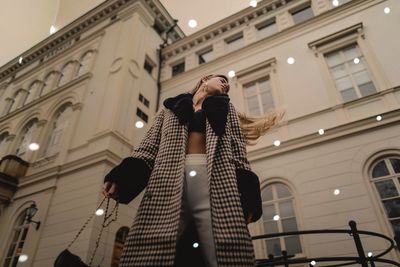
[(153, 237)]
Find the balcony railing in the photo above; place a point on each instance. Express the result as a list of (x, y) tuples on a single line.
[(361, 258)]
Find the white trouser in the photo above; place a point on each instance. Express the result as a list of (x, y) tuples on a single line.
[(196, 204)]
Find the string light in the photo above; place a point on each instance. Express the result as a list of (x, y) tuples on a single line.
[(139, 124), (99, 212)]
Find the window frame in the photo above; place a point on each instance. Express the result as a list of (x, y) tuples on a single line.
[(385, 157), (204, 51), (265, 24), (24, 226), (176, 63), (336, 41), (232, 39), (259, 227), (300, 8), (257, 72)]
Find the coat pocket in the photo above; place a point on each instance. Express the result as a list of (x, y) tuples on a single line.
[(250, 193)]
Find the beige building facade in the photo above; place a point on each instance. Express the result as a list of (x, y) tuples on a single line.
[(330, 65)]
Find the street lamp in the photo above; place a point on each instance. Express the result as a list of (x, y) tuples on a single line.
[(30, 212)]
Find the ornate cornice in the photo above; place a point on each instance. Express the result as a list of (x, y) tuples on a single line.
[(229, 23), (70, 34)]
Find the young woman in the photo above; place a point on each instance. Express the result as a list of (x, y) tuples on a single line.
[(193, 164)]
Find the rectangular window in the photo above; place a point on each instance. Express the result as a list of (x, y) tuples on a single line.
[(348, 70), (266, 28), (258, 96), (142, 115), (178, 68), (234, 42), (148, 66), (144, 100), (302, 13), (205, 56)]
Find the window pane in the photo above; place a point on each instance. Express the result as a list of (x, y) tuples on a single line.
[(24, 233), (292, 244), (250, 89), (333, 59), (356, 67), (380, 170), (267, 193), (178, 68), (282, 191), (264, 85), (302, 15), (289, 225), (253, 106), (286, 209), (351, 52), (367, 89), (274, 246), (268, 212), (267, 101), (205, 57), (386, 189), (349, 94), (395, 165), (361, 77), (344, 83), (235, 43), (267, 30), (396, 226), (392, 207), (11, 250), (339, 71), (271, 227)]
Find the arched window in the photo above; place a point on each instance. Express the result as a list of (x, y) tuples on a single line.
[(279, 216), (120, 238), (66, 73), (19, 99), (84, 64), (33, 91), (385, 175), (26, 138), (48, 83), (58, 126), (3, 144), (16, 241)]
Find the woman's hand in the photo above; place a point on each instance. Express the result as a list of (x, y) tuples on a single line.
[(110, 190)]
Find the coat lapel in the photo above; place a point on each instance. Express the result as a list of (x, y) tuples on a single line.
[(211, 147)]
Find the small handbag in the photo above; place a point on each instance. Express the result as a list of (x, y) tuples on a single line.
[(68, 259)]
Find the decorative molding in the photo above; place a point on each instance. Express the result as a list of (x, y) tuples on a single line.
[(53, 92), (77, 106), (392, 118), (352, 31), (270, 63), (133, 68), (116, 65)]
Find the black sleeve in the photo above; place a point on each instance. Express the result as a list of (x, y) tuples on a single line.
[(131, 177)]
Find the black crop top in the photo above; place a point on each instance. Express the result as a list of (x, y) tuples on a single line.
[(198, 122)]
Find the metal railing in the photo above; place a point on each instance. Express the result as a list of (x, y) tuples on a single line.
[(361, 259)]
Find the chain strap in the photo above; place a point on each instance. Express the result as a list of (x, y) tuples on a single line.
[(103, 225)]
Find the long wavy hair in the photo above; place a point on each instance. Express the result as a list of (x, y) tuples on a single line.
[(252, 127)]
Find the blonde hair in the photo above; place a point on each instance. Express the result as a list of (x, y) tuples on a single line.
[(252, 127)]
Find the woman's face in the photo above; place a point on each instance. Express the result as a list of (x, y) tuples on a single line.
[(217, 85)]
